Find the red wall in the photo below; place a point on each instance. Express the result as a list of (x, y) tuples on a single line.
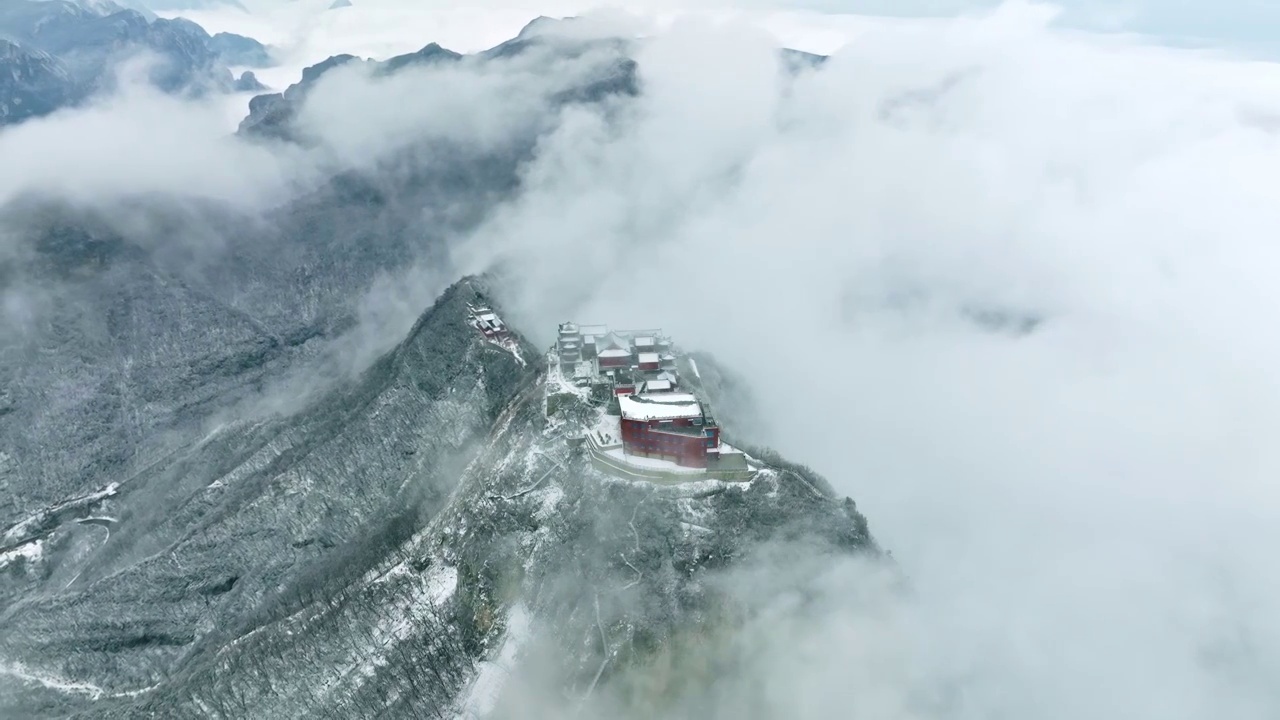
[(613, 362), (689, 451)]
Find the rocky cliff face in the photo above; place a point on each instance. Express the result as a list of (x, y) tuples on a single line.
[(419, 543), (118, 588)]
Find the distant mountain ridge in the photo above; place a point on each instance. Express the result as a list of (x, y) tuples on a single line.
[(272, 115), (57, 53), (35, 83)]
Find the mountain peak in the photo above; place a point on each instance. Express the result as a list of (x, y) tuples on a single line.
[(537, 25)]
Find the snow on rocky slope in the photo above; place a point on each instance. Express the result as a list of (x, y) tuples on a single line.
[(211, 541), (423, 543)]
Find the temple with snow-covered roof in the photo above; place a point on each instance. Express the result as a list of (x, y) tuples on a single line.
[(627, 358), (669, 426), (488, 324), (651, 426), (484, 319)]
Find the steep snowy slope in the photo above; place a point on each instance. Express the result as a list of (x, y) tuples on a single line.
[(538, 568), (421, 543), (117, 589)]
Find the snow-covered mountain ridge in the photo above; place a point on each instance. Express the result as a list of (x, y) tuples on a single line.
[(57, 53), (421, 543)]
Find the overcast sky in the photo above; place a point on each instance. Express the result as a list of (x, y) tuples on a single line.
[(1239, 24)]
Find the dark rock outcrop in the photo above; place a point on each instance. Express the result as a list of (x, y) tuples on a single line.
[(240, 50), (272, 116), (248, 82)]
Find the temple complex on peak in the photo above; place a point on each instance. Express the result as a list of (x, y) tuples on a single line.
[(487, 322), (649, 426)]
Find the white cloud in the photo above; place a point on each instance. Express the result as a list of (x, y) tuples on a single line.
[(362, 117), (139, 141), (1082, 509)]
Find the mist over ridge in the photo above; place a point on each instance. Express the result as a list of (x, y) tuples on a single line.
[(1004, 282)]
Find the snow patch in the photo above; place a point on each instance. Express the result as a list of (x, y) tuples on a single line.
[(20, 671), (441, 584), (698, 488), (557, 383), (63, 685), (492, 675), (608, 429), (660, 407), (427, 595), (26, 529), (695, 529), (509, 345), (32, 551), (695, 511), (551, 496)]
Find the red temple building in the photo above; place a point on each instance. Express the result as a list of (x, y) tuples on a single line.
[(668, 426), (662, 430)]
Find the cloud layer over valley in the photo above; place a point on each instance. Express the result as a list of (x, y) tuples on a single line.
[(1008, 285), (1010, 288)]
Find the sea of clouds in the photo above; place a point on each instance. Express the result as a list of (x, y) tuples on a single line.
[(1084, 510)]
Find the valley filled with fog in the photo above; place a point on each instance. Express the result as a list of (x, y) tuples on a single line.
[(1001, 274)]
